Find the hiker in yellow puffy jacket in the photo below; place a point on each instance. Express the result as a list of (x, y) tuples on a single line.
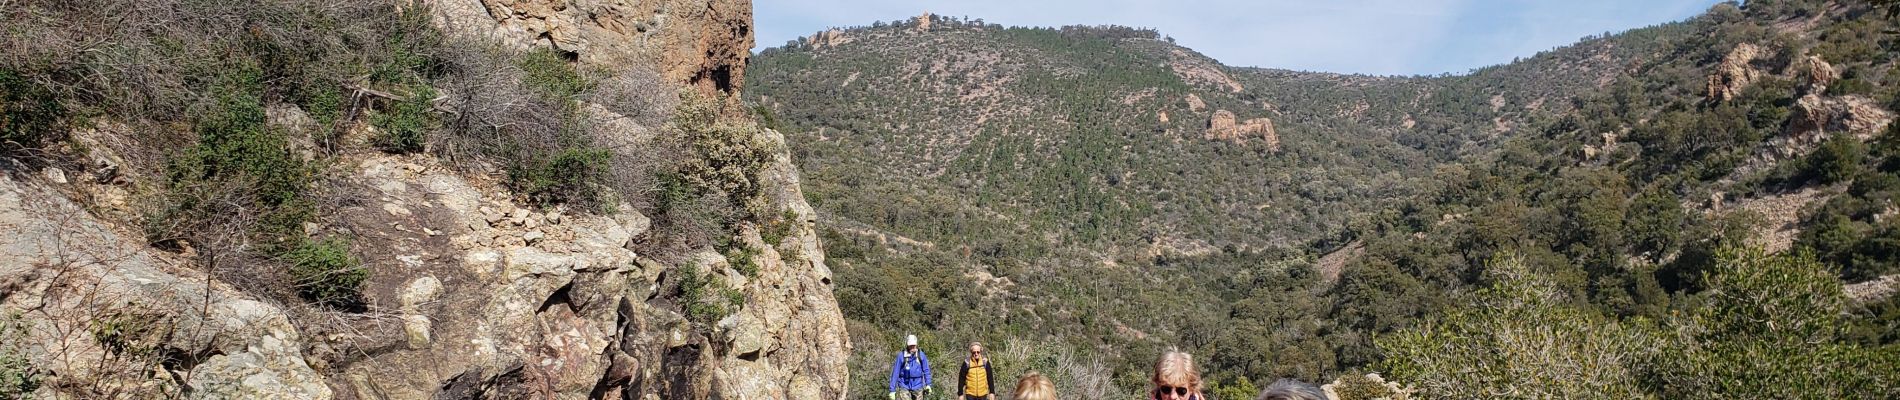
[(974, 380)]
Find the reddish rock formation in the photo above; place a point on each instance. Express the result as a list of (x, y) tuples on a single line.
[(701, 43)]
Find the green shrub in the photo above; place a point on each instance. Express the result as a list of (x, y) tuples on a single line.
[(1772, 328), (568, 176), (236, 150), (325, 273), (1837, 160), (18, 377), (705, 297), (406, 124), (553, 75), (1524, 339), (30, 115)]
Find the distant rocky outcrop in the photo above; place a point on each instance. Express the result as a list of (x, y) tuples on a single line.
[(1814, 114), (923, 21), (1223, 126), (1734, 73), (1195, 69), (702, 43), (827, 38), (1195, 103), (1816, 73)]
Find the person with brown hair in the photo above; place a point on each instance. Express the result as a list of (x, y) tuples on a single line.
[(974, 380), (1175, 378), (1034, 386)]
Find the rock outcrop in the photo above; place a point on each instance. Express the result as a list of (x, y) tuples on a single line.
[(924, 20), (100, 309), (1734, 73), (470, 294), (1816, 73), (827, 38), (702, 43), (1223, 126), (1195, 103), (1196, 69), (504, 300), (1855, 115)]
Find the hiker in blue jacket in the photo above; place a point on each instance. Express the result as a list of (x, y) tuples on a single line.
[(910, 374)]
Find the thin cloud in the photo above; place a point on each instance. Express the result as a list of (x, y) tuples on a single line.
[(1382, 37)]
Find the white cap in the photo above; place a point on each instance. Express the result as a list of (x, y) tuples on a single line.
[(910, 340)]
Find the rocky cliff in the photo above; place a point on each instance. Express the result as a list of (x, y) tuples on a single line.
[(703, 43), (472, 291)]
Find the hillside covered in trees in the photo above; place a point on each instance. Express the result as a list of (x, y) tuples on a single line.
[(1660, 208)]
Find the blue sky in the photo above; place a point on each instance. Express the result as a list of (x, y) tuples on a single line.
[(1382, 37)]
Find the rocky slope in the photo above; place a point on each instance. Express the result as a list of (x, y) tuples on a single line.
[(471, 292)]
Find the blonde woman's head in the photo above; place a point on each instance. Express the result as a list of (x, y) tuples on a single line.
[(1175, 376), (1034, 386)]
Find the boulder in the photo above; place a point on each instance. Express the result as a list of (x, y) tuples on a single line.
[(1734, 73)]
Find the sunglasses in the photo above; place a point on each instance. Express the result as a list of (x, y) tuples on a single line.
[(1177, 390)]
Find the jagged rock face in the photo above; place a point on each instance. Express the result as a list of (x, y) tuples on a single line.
[(1222, 126), (1855, 115), (506, 301), (1733, 74), (99, 307), (702, 43), (1816, 73)]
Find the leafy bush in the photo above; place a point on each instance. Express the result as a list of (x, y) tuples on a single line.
[(325, 273), (235, 146), (1784, 308), (569, 176), (1837, 160), (29, 113), (705, 297), (553, 75), (406, 125), (18, 376), (1521, 339)]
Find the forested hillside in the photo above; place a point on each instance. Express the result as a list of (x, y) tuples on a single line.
[(1089, 196)]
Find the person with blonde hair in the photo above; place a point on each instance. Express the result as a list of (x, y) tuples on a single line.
[(1175, 378), (1034, 386), (974, 379)]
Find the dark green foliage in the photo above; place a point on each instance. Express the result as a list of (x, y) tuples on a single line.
[(405, 126), (552, 75), (1838, 159), (1786, 308), (1520, 339), (568, 176), (325, 273), (705, 297), (235, 147), (19, 378), (30, 115)]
